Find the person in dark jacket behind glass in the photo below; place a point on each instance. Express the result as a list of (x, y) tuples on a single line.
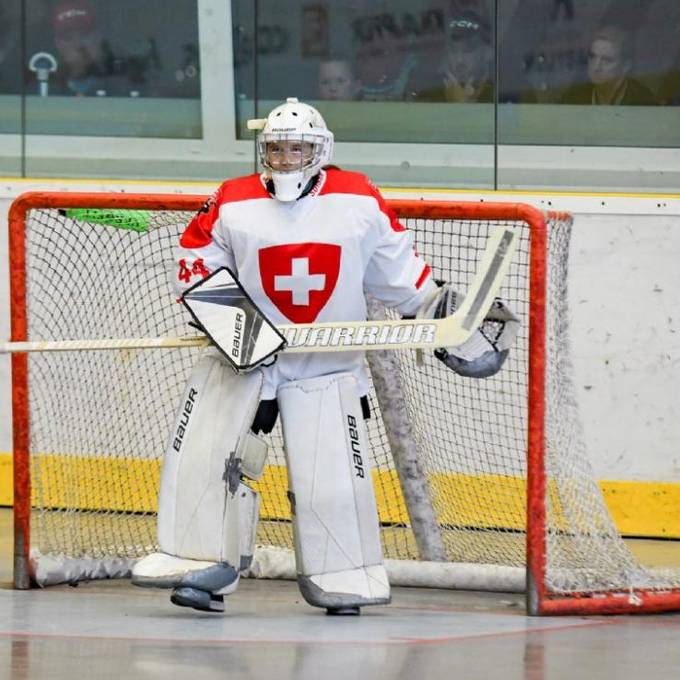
[(610, 62)]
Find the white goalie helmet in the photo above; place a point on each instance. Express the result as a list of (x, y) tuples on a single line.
[(293, 145)]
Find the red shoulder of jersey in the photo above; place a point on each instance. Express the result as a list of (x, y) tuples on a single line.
[(346, 182), (199, 231)]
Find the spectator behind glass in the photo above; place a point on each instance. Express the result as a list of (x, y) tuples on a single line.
[(384, 64), (85, 63), (610, 61), (337, 80), (465, 69)]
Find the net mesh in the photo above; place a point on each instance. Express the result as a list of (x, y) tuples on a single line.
[(99, 420)]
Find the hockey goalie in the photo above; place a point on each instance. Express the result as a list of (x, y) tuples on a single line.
[(306, 242)]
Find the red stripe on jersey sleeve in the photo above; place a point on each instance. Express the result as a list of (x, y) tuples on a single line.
[(198, 232), (345, 182), (423, 276)]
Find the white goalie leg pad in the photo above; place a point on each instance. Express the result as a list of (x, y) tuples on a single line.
[(207, 516), (335, 519)]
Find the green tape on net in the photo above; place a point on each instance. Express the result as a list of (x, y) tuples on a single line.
[(135, 220)]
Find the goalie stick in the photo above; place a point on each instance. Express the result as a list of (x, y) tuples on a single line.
[(450, 331)]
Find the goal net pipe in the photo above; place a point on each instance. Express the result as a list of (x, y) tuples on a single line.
[(539, 600)]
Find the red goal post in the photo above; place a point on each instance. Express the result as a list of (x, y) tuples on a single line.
[(539, 499)]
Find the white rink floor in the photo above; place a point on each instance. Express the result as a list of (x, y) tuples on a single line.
[(113, 630)]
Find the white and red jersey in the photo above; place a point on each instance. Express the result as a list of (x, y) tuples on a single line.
[(308, 260)]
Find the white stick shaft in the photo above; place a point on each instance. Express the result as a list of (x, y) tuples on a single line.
[(103, 344), (348, 336), (324, 337)]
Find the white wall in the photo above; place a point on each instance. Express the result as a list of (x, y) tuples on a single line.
[(626, 307), (625, 318)]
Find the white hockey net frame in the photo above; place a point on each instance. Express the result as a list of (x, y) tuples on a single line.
[(516, 435)]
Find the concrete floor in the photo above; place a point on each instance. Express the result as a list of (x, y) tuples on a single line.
[(112, 630)]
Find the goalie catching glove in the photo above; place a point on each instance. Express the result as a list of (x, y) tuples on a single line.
[(483, 354)]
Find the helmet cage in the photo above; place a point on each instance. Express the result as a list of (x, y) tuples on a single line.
[(293, 159)]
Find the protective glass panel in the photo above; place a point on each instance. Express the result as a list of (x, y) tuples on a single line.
[(124, 69), (577, 94)]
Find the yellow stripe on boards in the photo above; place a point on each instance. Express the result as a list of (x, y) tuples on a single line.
[(644, 508), (490, 501), (6, 474), (96, 483)]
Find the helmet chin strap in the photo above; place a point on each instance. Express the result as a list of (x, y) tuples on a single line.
[(271, 188)]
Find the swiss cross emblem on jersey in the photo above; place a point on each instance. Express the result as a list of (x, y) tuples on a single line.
[(299, 278)]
